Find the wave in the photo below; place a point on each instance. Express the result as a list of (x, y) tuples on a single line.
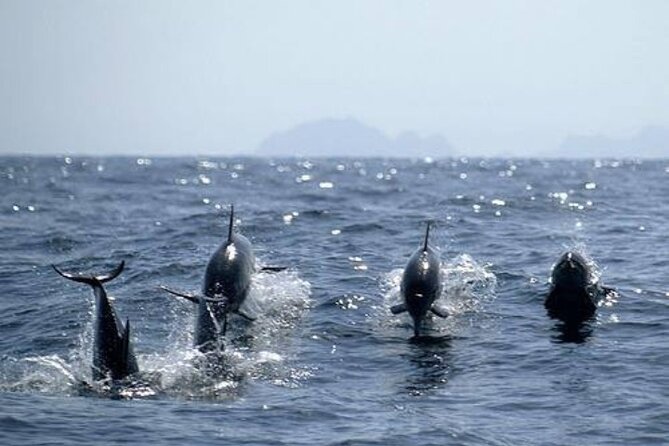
[(253, 351)]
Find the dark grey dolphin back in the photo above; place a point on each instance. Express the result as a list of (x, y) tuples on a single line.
[(227, 280), (228, 273), (572, 297), (113, 355), (421, 282), (571, 272)]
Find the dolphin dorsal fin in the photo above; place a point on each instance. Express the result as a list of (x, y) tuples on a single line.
[(427, 236), (125, 344), (232, 222)]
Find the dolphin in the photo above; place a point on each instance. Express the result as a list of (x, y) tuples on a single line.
[(574, 293), (421, 285), (113, 355), (226, 284)]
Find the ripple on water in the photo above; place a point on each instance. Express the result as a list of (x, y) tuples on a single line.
[(327, 360), (257, 351), (466, 288)]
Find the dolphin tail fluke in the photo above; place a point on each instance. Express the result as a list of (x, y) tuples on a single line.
[(399, 308), (439, 311), (232, 222), (92, 280), (112, 274), (427, 236), (190, 297)]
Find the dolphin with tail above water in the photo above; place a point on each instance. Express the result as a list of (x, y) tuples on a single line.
[(227, 282), (113, 356), (421, 285)]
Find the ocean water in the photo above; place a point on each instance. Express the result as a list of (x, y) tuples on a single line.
[(326, 362)]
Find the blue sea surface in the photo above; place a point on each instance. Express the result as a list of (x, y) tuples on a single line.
[(326, 362)]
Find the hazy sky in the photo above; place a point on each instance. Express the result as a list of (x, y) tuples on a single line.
[(220, 76)]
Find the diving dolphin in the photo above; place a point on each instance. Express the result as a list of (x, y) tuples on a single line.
[(573, 295), (421, 285), (227, 280), (113, 356)]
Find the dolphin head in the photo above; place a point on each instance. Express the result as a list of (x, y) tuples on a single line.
[(571, 272)]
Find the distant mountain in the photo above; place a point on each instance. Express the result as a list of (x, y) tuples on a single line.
[(650, 142), (349, 137)]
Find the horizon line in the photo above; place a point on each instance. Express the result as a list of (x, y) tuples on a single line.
[(427, 158)]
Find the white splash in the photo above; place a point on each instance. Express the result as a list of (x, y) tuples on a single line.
[(258, 351), (466, 287)]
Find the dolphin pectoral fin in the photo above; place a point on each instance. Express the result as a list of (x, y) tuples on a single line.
[(273, 269), (245, 316), (399, 308), (439, 311), (191, 297)]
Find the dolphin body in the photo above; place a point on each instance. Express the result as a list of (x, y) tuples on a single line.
[(227, 281), (421, 285), (113, 355), (573, 295)]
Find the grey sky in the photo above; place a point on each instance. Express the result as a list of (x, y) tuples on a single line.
[(218, 77)]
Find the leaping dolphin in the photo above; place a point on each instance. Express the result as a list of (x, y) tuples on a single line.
[(227, 281), (574, 293), (113, 356), (421, 285)]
